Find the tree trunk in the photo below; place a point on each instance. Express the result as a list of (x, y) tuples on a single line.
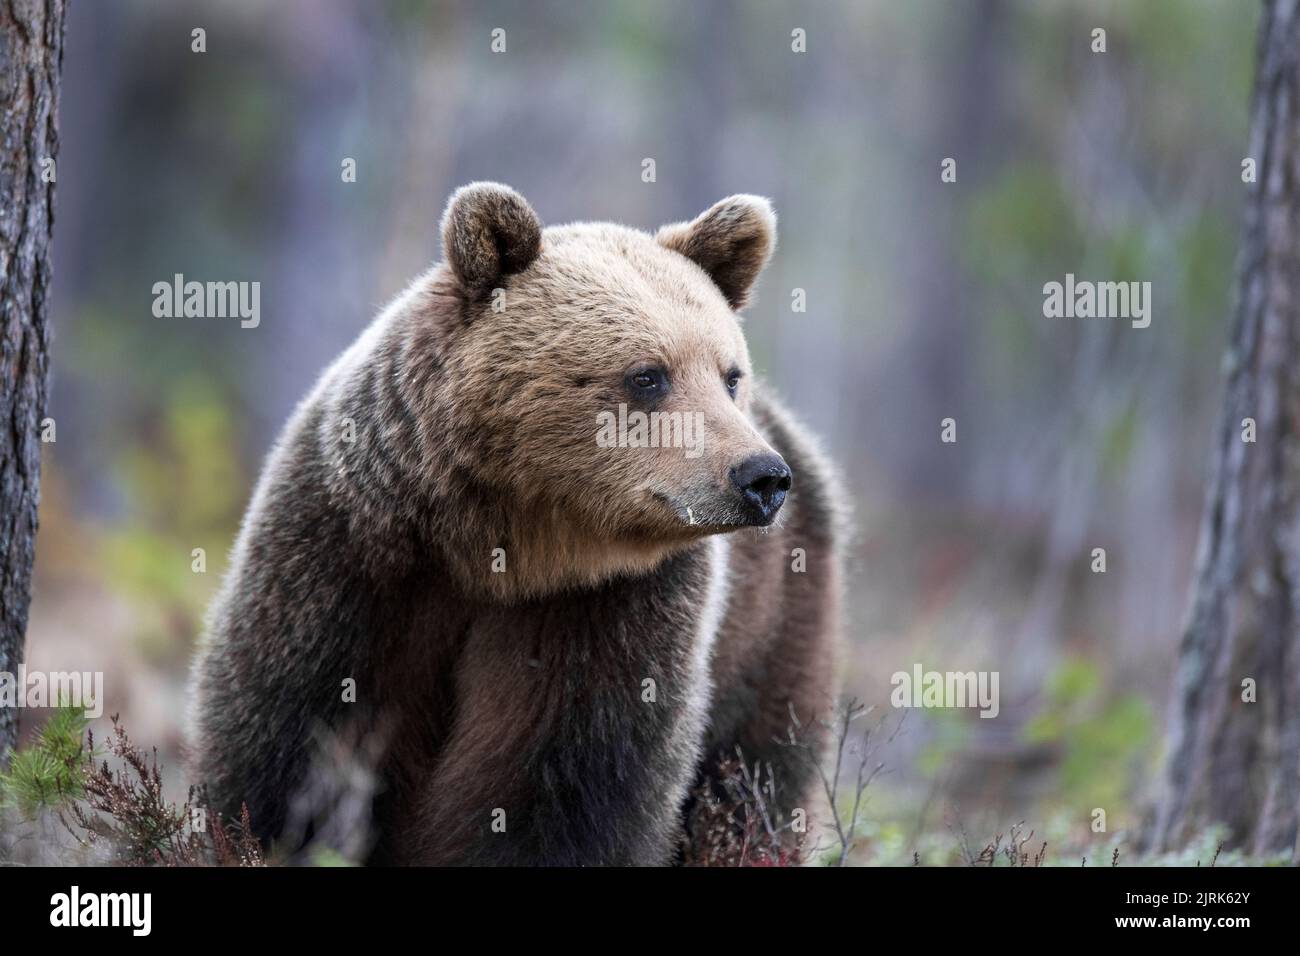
[(1233, 761), (31, 54)]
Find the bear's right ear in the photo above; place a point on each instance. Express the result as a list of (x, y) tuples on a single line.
[(489, 231)]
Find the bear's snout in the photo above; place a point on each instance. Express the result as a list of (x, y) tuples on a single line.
[(762, 481)]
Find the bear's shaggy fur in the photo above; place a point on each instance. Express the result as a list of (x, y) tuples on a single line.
[(439, 524)]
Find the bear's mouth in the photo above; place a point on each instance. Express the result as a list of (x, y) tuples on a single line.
[(704, 517)]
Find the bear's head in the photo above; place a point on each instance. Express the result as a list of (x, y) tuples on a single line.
[(598, 377)]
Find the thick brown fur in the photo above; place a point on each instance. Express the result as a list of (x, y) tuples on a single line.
[(551, 636)]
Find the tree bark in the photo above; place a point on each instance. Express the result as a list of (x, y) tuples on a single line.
[(1233, 761), (31, 54)]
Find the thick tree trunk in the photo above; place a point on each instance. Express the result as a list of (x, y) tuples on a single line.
[(1234, 761), (31, 54)]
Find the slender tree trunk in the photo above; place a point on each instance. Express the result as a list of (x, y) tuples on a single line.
[(31, 54), (1234, 761)]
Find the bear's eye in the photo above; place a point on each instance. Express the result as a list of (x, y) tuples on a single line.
[(733, 381), (648, 381)]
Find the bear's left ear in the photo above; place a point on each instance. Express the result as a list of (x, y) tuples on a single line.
[(731, 241), (489, 231)]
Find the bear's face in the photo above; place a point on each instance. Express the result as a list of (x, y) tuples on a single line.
[(599, 374)]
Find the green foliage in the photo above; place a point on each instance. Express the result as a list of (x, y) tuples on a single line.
[(184, 484), (1206, 849), (328, 857), (123, 811), (950, 733), (1118, 440), (1224, 36), (1206, 248), (187, 477), (48, 773), (1123, 254), (1022, 223), (1101, 734)]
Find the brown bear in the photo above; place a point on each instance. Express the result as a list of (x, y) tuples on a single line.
[(468, 541)]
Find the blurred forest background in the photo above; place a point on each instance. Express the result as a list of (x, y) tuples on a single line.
[(924, 300)]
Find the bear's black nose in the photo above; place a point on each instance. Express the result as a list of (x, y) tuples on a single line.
[(762, 482)]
